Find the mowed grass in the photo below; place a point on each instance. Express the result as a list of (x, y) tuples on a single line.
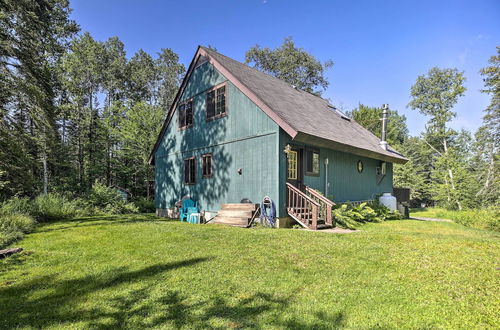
[(140, 271), (480, 218)]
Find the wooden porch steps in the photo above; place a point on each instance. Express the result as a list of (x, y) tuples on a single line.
[(238, 215), (309, 208)]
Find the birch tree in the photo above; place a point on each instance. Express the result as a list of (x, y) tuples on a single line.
[(435, 95)]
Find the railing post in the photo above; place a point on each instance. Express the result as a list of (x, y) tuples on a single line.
[(329, 214), (314, 225)]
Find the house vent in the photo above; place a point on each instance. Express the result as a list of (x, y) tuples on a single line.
[(340, 113), (385, 114)]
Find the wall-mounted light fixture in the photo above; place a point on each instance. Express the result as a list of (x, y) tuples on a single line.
[(287, 149)]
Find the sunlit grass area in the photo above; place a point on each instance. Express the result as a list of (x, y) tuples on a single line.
[(141, 271), (480, 218)]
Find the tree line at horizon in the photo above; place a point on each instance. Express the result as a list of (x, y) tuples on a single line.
[(75, 110)]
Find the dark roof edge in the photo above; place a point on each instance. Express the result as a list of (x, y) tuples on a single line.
[(321, 142)]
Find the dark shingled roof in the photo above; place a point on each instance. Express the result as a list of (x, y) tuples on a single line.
[(308, 114)]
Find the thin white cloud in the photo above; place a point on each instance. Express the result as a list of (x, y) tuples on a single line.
[(462, 57)]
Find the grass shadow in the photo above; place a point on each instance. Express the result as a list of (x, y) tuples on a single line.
[(119, 219), (126, 299), (50, 306)]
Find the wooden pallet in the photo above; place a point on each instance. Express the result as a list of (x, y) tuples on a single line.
[(237, 214)]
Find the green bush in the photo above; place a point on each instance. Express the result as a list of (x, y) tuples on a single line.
[(53, 207), (107, 200), (145, 205), (352, 216), (13, 227), (17, 205), (483, 218), (103, 197)]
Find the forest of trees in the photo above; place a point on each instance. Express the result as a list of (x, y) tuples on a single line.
[(449, 168), (75, 110)]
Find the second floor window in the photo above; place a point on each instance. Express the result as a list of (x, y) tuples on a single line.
[(185, 114), (216, 102)]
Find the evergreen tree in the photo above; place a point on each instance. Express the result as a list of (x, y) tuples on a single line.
[(83, 68), (488, 137), (33, 36)]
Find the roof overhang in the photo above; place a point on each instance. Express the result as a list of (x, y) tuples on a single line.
[(325, 143)]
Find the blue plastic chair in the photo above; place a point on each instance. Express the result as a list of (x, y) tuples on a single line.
[(188, 206)]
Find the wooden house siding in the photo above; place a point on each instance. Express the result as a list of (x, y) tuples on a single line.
[(246, 138), (346, 183)]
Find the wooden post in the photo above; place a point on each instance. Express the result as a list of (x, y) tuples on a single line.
[(329, 214), (314, 225)]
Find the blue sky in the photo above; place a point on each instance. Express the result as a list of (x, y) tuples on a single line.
[(378, 47)]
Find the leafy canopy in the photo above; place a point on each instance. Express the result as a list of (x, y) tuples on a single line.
[(370, 118), (291, 64)]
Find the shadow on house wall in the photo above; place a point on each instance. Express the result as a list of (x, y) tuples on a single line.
[(203, 137)]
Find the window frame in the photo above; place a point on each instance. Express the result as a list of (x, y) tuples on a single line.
[(184, 103), (193, 159), (290, 162), (313, 151), (360, 166), (203, 164), (226, 101)]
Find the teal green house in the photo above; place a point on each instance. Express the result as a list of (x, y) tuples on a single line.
[(236, 133)]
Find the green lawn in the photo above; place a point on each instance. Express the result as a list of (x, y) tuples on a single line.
[(479, 218), (138, 271), (431, 212)]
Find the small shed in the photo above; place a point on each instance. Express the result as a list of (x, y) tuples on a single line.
[(124, 193)]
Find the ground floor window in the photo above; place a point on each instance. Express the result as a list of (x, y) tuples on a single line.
[(206, 165), (312, 162), (189, 170)]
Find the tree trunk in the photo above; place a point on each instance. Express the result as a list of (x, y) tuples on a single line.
[(450, 173), (45, 172)]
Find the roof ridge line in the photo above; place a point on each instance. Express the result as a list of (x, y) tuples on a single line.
[(264, 73)]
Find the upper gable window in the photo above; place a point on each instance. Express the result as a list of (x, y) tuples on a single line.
[(216, 102), (185, 111)]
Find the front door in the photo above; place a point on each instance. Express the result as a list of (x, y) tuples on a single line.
[(294, 168)]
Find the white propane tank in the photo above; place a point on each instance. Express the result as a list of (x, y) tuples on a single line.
[(388, 201)]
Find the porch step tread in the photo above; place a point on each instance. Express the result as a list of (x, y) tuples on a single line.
[(239, 206), (231, 221), (235, 213), (230, 224)]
